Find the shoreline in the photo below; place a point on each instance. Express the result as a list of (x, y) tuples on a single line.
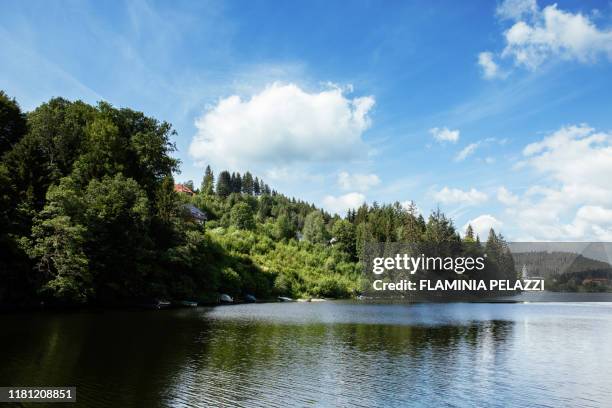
[(543, 297)]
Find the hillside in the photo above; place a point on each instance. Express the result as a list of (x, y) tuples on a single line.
[(90, 213), (550, 264)]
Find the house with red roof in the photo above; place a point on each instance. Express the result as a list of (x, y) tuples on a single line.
[(181, 188)]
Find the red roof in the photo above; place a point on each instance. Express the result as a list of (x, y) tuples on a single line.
[(180, 188)]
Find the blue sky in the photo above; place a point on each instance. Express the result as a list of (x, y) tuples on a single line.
[(499, 113)]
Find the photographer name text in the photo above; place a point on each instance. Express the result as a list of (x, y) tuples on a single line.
[(425, 285)]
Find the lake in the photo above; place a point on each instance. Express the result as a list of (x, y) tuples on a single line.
[(319, 354)]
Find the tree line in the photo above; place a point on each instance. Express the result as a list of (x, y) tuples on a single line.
[(88, 214)]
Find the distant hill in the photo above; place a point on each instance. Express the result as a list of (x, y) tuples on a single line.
[(549, 264)]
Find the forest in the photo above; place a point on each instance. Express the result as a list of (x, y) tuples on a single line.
[(89, 215)]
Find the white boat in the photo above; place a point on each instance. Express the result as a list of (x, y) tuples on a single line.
[(162, 304), (187, 303), (225, 298), (285, 299)]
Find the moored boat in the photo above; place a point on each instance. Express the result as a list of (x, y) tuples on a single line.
[(187, 303)]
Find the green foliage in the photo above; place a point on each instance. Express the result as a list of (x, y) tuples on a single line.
[(469, 234), (247, 184), (13, 123), (306, 270), (242, 216), (284, 228), (83, 237), (88, 213), (166, 201), (500, 260), (314, 228), (59, 247), (440, 229), (224, 184), (344, 233), (208, 182)]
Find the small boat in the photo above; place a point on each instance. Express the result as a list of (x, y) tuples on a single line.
[(225, 298), (249, 299), (285, 299), (155, 304), (187, 303), (163, 304)]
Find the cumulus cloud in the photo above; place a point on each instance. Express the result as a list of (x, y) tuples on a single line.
[(490, 69), (577, 203), (536, 36), (340, 204), (592, 221), (457, 196), (359, 182), (282, 125), (556, 33), (482, 224), (516, 9), (577, 156), (506, 197), (467, 151), (444, 134)]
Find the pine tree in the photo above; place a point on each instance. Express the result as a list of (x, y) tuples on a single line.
[(256, 187), (232, 182), (208, 183), (237, 184), (247, 184), (439, 228), (469, 234), (224, 184), (500, 257)]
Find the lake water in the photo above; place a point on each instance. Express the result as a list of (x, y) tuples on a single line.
[(319, 354)]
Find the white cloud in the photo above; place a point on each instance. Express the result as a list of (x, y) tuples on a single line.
[(506, 197), (516, 9), (340, 204), (538, 35), (359, 182), (457, 196), (444, 134), (556, 33), (281, 125), (467, 151), (577, 156), (490, 69), (591, 221), (576, 161), (482, 224)]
